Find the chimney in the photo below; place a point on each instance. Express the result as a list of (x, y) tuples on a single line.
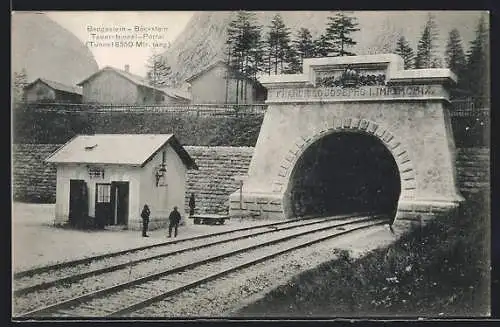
[(127, 68)]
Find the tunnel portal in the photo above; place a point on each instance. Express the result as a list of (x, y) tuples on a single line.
[(343, 173)]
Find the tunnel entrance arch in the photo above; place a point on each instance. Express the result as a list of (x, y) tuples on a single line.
[(341, 172), (405, 110)]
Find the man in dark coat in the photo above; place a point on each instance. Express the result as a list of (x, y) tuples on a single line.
[(145, 220), (174, 219), (192, 205)]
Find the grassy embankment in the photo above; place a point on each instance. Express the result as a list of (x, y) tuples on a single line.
[(439, 270)]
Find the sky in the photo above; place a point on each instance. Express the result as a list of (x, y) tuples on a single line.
[(167, 25)]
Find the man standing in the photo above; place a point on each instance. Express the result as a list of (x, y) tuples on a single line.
[(174, 218), (145, 220), (192, 205)]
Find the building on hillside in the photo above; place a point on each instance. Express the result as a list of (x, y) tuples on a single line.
[(44, 90), (105, 179), (176, 96), (218, 83), (115, 86)]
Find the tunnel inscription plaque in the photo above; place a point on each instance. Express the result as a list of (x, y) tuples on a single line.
[(358, 93), (302, 115)]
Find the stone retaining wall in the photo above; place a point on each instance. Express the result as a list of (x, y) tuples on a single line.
[(35, 181), (214, 180), (473, 170)]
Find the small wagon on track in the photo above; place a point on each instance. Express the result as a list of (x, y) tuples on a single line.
[(209, 219)]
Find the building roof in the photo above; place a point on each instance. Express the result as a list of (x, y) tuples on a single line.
[(56, 86), (206, 69), (176, 93), (210, 67), (136, 79), (124, 149)]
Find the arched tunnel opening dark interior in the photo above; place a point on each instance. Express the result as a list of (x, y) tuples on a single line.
[(344, 173)]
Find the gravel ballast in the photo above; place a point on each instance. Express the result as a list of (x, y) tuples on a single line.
[(93, 283), (224, 297)]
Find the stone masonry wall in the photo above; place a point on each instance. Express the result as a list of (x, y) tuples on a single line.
[(35, 181), (473, 170), (214, 181)]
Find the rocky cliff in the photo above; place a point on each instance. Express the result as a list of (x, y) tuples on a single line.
[(203, 38), (45, 49)]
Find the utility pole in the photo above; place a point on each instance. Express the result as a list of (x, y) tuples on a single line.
[(240, 179)]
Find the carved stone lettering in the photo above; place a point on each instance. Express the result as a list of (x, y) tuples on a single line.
[(311, 93)]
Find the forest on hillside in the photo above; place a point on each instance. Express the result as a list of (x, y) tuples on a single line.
[(254, 46)]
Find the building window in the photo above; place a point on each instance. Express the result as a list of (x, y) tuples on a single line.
[(163, 156), (103, 193)]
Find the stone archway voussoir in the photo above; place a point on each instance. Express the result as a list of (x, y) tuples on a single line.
[(372, 127), (363, 124), (398, 150), (337, 123), (355, 123)]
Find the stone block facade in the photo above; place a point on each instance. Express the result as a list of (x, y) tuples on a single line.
[(35, 180), (473, 170), (214, 180)]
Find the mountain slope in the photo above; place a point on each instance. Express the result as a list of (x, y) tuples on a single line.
[(203, 39), (45, 49)]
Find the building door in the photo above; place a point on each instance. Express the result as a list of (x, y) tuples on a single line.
[(78, 202), (103, 207), (119, 202)]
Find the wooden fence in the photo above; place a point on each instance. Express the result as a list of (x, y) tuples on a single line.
[(459, 108), (197, 109)]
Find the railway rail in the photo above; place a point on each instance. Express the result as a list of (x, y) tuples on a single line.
[(84, 261), (47, 276), (126, 281)]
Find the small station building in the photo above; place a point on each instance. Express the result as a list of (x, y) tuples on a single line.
[(105, 179)]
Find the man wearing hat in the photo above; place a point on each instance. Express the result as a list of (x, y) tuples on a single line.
[(174, 219)]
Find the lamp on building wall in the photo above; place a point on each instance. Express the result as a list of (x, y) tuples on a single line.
[(160, 173)]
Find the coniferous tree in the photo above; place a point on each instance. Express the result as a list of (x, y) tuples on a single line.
[(455, 56), (477, 71), (158, 71), (404, 49), (256, 54), (426, 57), (243, 37), (303, 45), (293, 61), (235, 42), (321, 47), (338, 34), (277, 45)]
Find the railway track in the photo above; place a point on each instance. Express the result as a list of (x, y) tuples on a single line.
[(116, 291), (50, 269), (44, 277)]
